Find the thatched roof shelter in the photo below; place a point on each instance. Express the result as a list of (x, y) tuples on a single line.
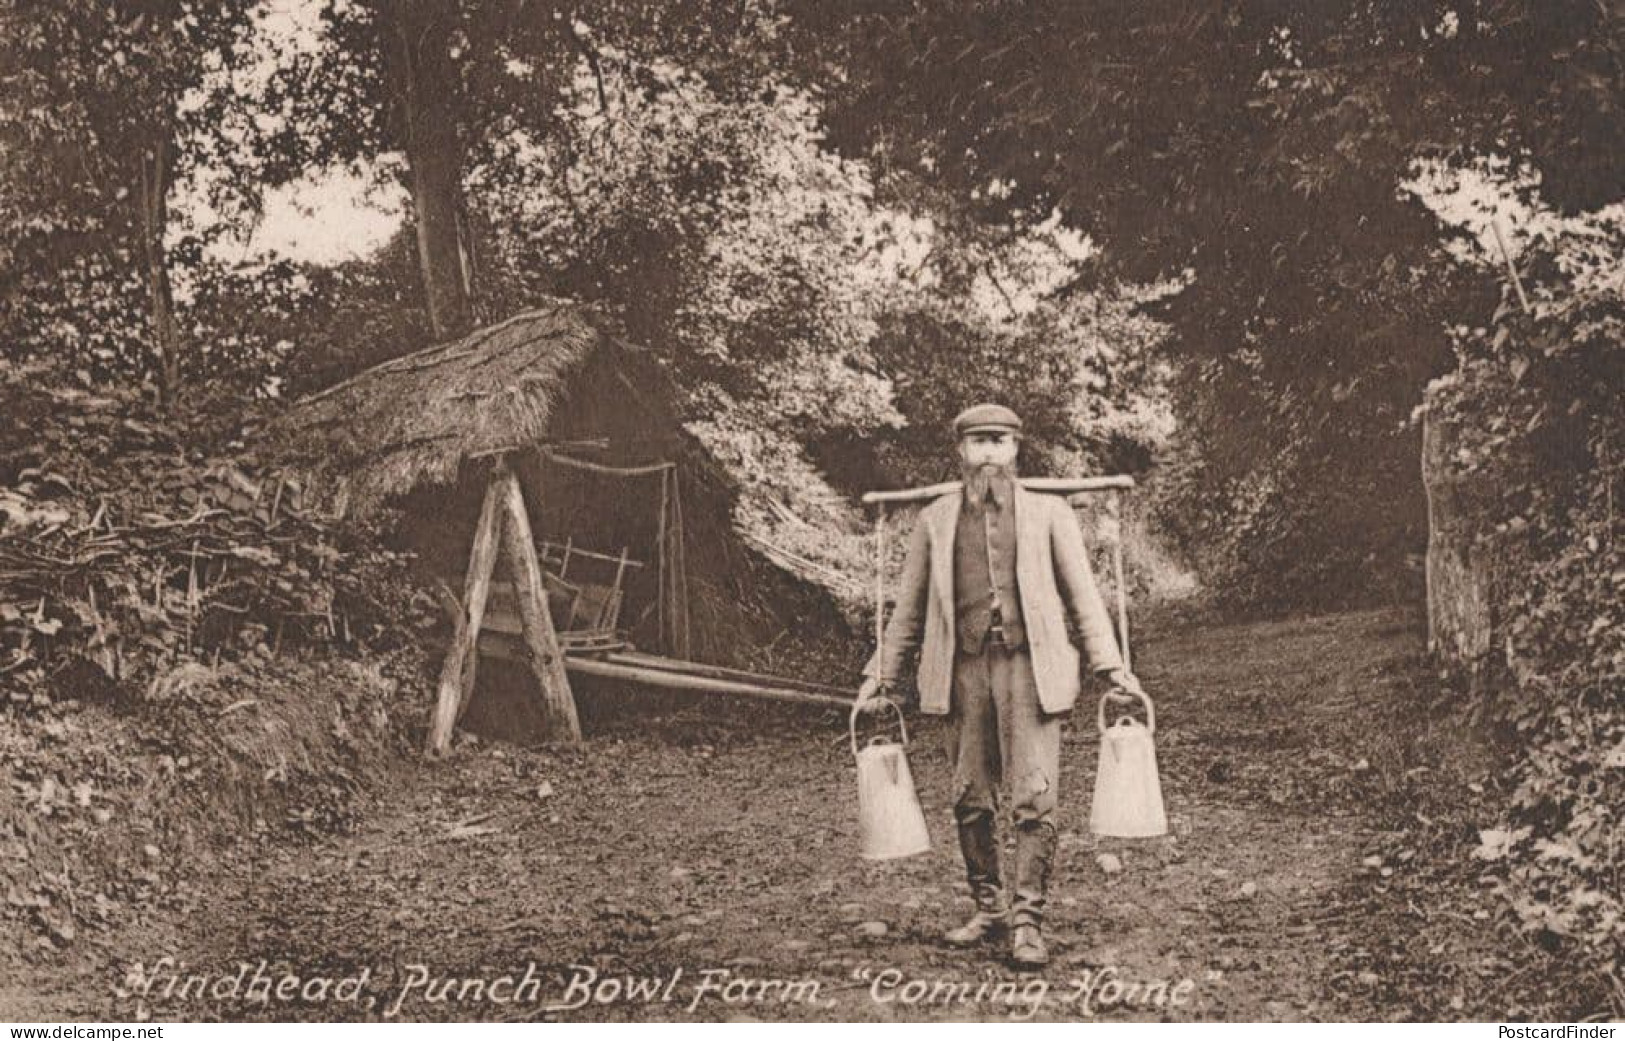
[(415, 433), (414, 420)]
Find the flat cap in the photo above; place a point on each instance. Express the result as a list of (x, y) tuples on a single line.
[(986, 417)]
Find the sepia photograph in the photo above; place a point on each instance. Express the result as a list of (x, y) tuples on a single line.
[(812, 511)]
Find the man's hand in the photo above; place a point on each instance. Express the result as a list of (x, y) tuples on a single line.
[(871, 694), (1125, 687)]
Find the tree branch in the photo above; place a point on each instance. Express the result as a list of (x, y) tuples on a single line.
[(592, 62), (987, 268)]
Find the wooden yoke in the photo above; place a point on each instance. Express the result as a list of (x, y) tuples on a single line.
[(1068, 486)]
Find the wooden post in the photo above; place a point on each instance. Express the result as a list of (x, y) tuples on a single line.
[(665, 616), (457, 674), (620, 567), (679, 571), (482, 562), (536, 619)]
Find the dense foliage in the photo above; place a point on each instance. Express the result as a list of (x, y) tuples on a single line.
[(1536, 397), (126, 548), (675, 175), (1258, 146), (106, 110)]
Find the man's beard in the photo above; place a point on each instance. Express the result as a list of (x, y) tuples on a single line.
[(989, 479)]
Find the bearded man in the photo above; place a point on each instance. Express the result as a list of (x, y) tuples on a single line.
[(996, 576)]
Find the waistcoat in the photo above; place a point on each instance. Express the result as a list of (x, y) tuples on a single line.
[(985, 573)]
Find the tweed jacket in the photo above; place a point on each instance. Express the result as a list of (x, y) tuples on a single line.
[(1055, 584)]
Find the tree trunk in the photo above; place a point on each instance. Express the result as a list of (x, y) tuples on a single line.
[(156, 175), (1459, 577), (426, 85)]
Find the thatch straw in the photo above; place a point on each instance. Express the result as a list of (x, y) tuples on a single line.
[(412, 421)]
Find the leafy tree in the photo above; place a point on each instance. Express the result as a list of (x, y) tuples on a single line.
[(670, 168), (1259, 145), (435, 80), (1538, 429), (104, 112)]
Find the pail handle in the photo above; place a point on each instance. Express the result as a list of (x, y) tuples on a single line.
[(852, 723), (1150, 711)]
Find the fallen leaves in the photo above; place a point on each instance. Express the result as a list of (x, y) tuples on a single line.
[(1496, 843), (103, 809)]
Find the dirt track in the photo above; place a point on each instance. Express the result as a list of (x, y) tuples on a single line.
[(711, 836)]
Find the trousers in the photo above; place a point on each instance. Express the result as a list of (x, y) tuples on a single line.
[(999, 738)]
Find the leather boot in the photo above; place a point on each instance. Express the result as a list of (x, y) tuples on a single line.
[(1027, 948), (1035, 852), (981, 851)]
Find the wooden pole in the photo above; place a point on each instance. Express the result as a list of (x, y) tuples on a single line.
[(1117, 568), (620, 567), (657, 663), (682, 681), (457, 674), (663, 576), (536, 619), (679, 569), (482, 563), (1517, 283), (1062, 485), (625, 559), (880, 576)]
